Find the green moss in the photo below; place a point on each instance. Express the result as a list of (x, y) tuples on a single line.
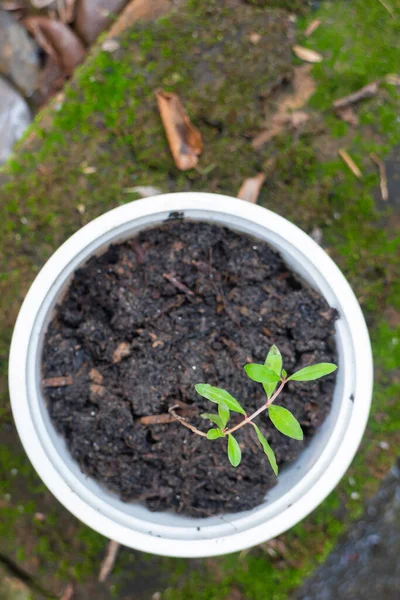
[(108, 120)]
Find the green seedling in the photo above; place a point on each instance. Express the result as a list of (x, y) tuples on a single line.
[(273, 378)]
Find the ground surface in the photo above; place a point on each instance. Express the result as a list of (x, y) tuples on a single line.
[(108, 121)]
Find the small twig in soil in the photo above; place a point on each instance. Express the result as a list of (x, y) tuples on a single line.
[(181, 286), (109, 560), (157, 419), (57, 381), (184, 422), (346, 158), (382, 175), (365, 92), (140, 255)]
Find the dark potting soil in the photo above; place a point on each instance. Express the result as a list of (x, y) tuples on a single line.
[(181, 304)]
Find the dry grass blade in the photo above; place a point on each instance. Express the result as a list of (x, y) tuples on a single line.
[(348, 115), (109, 560), (250, 188), (389, 9), (350, 163), (68, 593), (183, 138), (382, 176), (365, 92), (312, 27), (307, 55)]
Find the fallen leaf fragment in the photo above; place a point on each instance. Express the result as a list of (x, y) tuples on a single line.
[(382, 175), (307, 55), (68, 592), (350, 163), (146, 191), (157, 419), (288, 113), (109, 560), (139, 10), (392, 79), (255, 37), (184, 139), (58, 40), (312, 27), (57, 381), (365, 92), (121, 351), (348, 115), (110, 46), (250, 188)]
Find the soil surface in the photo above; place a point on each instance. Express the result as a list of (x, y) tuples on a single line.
[(140, 325)]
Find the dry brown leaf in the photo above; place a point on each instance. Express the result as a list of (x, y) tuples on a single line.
[(109, 560), (312, 27), (250, 188), (143, 10), (382, 175), (58, 40), (365, 92), (288, 113), (183, 138), (350, 163), (307, 55), (66, 10), (348, 115)]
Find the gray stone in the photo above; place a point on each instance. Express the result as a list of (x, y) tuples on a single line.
[(94, 16), (15, 117), (19, 54)]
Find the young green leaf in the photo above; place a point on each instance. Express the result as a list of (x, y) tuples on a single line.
[(267, 449), (218, 396), (213, 434), (273, 362), (313, 372), (234, 452), (284, 373), (260, 373), (285, 422), (213, 418), (223, 412)]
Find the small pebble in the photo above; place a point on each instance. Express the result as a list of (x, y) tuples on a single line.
[(352, 481), (384, 445), (14, 472), (354, 495), (110, 46)]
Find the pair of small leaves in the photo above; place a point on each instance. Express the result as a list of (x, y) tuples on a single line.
[(221, 419)]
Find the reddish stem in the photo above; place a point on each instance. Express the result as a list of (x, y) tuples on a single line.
[(259, 411)]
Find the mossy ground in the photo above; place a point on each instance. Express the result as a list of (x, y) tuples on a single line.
[(109, 121)]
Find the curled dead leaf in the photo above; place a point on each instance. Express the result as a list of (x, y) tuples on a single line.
[(307, 55), (250, 188), (184, 139), (57, 40)]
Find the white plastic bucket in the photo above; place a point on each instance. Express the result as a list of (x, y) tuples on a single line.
[(301, 486)]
